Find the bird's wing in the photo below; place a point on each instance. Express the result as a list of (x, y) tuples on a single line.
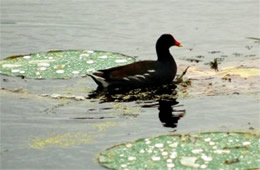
[(137, 69)]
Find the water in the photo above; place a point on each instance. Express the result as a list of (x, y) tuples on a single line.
[(128, 27)]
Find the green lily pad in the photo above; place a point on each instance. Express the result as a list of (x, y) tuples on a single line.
[(61, 64), (214, 150)]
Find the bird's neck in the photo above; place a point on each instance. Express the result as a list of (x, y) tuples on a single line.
[(164, 54)]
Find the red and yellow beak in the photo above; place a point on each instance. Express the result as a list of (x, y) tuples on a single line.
[(178, 44)]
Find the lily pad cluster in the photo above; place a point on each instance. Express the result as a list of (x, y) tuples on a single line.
[(219, 150), (61, 64)]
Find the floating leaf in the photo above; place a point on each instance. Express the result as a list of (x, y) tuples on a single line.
[(61, 64), (216, 150), (244, 72)]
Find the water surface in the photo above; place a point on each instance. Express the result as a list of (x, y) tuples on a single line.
[(213, 29)]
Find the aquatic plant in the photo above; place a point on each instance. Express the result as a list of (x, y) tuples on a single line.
[(61, 64), (213, 150), (214, 64)]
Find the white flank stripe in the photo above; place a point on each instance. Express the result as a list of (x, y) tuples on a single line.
[(151, 71)]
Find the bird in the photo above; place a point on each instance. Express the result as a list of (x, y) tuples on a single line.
[(142, 74)]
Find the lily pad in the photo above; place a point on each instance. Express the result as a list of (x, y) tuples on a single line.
[(213, 150), (61, 64)]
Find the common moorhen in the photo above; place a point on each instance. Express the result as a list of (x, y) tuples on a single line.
[(142, 73)]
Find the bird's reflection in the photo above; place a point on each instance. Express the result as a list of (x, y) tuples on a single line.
[(168, 114), (164, 98)]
